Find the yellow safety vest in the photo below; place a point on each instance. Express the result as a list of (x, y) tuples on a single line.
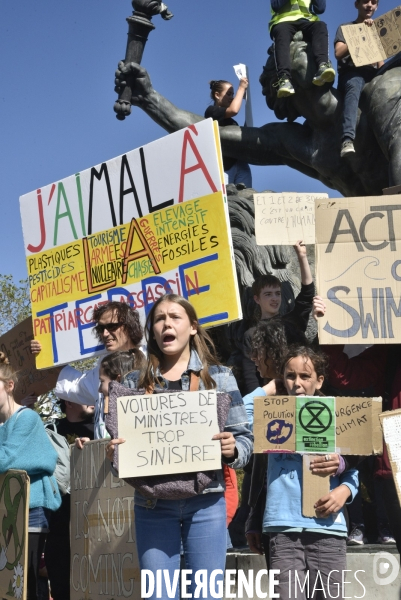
[(292, 11)]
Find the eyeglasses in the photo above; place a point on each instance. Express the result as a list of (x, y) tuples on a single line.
[(111, 327)]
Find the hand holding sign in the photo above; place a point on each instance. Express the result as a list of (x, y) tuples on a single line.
[(227, 442), (325, 465), (333, 502)]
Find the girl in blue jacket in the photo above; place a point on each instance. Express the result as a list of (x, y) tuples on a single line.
[(309, 552), (24, 445)]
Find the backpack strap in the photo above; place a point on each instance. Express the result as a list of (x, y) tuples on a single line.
[(194, 382)]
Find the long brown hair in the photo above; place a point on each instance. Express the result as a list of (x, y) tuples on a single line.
[(201, 342)]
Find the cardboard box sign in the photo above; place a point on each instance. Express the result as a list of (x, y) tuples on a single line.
[(14, 512), (317, 425), (104, 558), (368, 45), (390, 422), (358, 274), (16, 345)]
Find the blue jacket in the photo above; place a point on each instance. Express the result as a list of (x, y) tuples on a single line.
[(24, 445), (284, 487), (284, 491), (237, 422), (317, 6)]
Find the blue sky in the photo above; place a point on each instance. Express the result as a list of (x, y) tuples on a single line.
[(57, 63)]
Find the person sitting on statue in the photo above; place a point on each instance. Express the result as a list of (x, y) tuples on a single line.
[(227, 105), (288, 17), (351, 79)]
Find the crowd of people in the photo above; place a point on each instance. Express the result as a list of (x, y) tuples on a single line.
[(278, 357)]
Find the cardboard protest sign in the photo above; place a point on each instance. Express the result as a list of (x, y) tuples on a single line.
[(14, 510), (317, 425), (368, 45), (69, 276), (185, 249), (168, 433), (283, 219), (391, 426), (16, 345), (104, 560), (358, 271)]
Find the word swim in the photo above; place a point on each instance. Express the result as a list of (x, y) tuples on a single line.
[(378, 322)]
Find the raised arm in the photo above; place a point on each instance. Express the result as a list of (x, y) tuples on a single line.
[(271, 145)]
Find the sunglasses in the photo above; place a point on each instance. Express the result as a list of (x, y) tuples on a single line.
[(111, 327)]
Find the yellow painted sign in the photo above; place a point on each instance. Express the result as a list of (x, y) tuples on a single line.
[(184, 249)]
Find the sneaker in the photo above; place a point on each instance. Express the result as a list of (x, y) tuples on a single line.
[(357, 536), (385, 536), (285, 88), (325, 74), (346, 147)]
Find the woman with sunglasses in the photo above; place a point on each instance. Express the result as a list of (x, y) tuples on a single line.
[(181, 354), (117, 326)]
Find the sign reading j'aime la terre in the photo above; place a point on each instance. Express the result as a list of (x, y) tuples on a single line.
[(146, 223), (358, 244)]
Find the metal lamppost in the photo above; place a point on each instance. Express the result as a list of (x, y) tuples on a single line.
[(139, 27)]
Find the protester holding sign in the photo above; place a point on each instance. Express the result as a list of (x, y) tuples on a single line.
[(182, 357), (267, 294), (117, 326), (226, 106), (299, 543), (351, 79), (25, 445)]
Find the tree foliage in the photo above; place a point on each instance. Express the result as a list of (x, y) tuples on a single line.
[(15, 307)]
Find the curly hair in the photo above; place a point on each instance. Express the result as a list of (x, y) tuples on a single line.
[(125, 315), (318, 359), (272, 338), (201, 342)]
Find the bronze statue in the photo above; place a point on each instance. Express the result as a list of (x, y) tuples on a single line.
[(312, 147)]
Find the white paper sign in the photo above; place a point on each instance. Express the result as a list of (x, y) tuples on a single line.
[(168, 433), (241, 70), (283, 219)]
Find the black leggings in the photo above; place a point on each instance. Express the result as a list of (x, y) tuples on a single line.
[(36, 544), (314, 32)]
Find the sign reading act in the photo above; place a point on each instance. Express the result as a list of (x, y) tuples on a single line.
[(358, 242)]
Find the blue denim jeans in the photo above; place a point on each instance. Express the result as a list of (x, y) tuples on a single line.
[(239, 173), (199, 522), (351, 84)]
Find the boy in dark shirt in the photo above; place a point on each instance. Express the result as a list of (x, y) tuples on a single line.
[(267, 293), (351, 79), (288, 17)]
